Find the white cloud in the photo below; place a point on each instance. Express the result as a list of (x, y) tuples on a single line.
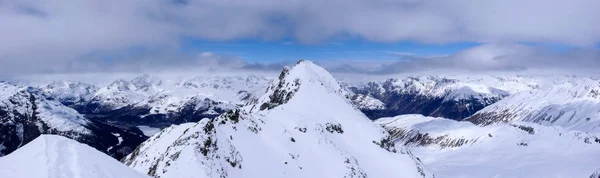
[(42, 35), (499, 57), (399, 53)]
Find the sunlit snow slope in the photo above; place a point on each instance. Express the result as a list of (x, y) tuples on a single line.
[(518, 149), (51, 156)]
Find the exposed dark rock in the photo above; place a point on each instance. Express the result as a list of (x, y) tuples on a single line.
[(527, 129), (596, 174), (415, 138), (334, 128), (282, 91)]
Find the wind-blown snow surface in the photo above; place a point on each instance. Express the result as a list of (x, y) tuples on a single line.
[(50, 156), (461, 149), (304, 126), (572, 103)]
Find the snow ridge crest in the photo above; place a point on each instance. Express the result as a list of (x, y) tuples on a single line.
[(303, 75)]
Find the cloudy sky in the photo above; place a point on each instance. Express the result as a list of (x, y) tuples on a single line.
[(359, 36)]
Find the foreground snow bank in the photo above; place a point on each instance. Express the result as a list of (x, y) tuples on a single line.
[(51, 156)]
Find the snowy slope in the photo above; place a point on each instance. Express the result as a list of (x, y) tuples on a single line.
[(50, 156), (569, 102), (304, 126), (519, 149)]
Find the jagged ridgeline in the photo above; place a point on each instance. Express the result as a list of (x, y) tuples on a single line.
[(303, 126)]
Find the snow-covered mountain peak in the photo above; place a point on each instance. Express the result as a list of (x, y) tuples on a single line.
[(448, 88), (51, 156), (70, 92), (309, 73), (232, 89), (46, 112), (121, 93), (58, 84), (120, 85), (146, 82), (7, 90), (305, 77), (303, 126)]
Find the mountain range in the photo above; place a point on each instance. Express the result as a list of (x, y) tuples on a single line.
[(282, 133), (304, 123)]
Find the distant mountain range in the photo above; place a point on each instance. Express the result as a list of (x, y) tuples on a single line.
[(453, 98), (108, 118)]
